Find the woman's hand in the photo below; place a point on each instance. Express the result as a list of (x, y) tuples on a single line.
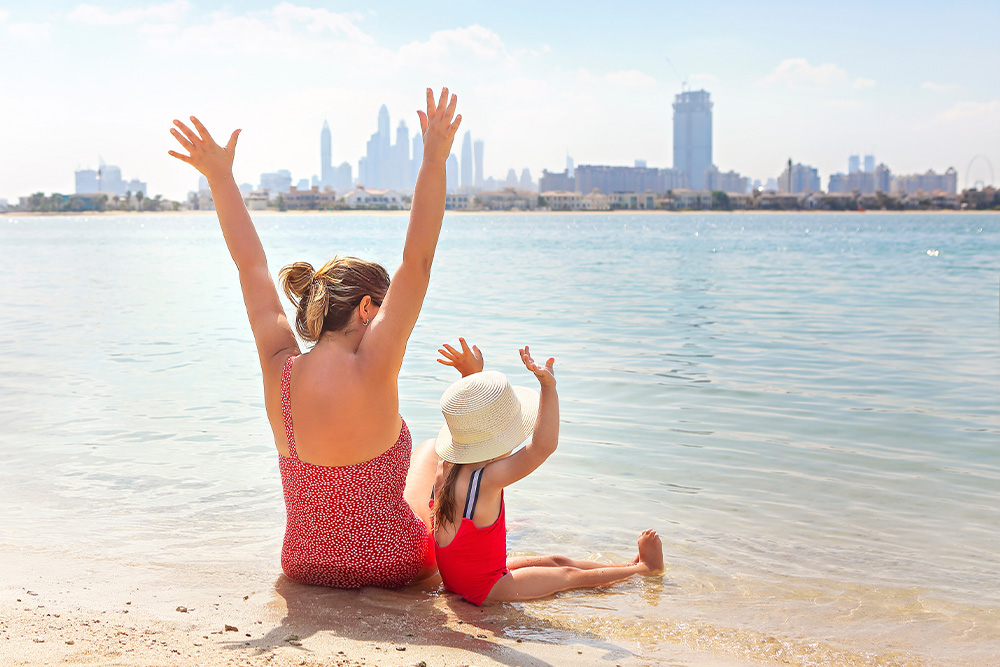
[(545, 374), (437, 126), (211, 159), (466, 362)]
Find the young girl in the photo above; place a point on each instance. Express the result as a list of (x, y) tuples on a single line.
[(486, 418)]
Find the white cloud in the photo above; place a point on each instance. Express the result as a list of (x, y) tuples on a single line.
[(939, 87), (27, 32), (286, 33), (862, 82), (843, 104), (447, 45), (703, 78), (164, 13), (973, 111), (290, 17), (631, 78), (798, 73)]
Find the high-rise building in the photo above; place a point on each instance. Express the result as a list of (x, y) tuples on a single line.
[(869, 163), (418, 154), (511, 181), (526, 182), (799, 178), (467, 181), (343, 180), (451, 173), (693, 136), (477, 149), (325, 156), (402, 169), (853, 164), (569, 167), (87, 182), (863, 182), (928, 182)]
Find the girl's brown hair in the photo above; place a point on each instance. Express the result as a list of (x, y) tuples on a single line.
[(444, 504), (325, 299)]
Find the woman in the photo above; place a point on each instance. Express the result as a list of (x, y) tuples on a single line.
[(355, 517)]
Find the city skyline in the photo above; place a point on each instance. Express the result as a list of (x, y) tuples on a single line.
[(106, 79)]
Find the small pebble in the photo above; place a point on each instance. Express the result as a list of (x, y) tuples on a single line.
[(70, 642), (400, 648), (182, 609), (232, 628)]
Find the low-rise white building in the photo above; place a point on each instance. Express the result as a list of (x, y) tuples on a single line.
[(692, 199), (508, 199), (364, 198), (561, 200), (596, 201)]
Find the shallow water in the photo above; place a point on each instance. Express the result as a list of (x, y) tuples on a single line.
[(804, 406)]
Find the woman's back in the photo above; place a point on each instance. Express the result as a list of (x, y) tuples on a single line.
[(343, 415), (349, 526)]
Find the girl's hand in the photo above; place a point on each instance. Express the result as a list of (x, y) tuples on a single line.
[(211, 159), (437, 126), (545, 374), (466, 362)]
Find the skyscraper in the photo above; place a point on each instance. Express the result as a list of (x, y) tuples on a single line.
[(478, 150), (325, 156), (853, 164), (869, 163), (467, 161), (451, 173), (693, 136)]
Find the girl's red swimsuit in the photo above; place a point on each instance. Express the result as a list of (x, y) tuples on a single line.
[(348, 526), (476, 558)]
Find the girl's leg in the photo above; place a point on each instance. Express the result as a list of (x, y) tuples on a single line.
[(420, 480), (528, 583), (519, 562), (538, 581), (417, 494)]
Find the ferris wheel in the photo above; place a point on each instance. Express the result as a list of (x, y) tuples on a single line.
[(975, 179)]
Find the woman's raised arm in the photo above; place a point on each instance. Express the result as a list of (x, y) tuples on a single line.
[(383, 346), (271, 331)]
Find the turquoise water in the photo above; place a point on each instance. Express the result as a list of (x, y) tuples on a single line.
[(806, 407)]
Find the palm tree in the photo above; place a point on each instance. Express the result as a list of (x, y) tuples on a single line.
[(138, 198)]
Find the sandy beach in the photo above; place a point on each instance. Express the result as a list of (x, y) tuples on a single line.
[(75, 612)]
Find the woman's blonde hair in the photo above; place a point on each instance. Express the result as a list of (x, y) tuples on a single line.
[(325, 299)]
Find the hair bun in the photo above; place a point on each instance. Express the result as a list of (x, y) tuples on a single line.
[(297, 280)]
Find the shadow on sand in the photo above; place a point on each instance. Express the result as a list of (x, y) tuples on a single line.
[(424, 616)]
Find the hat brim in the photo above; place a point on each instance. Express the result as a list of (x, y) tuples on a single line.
[(513, 435)]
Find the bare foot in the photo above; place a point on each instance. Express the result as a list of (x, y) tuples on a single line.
[(651, 551)]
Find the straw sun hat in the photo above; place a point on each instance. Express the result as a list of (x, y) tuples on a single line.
[(485, 417)]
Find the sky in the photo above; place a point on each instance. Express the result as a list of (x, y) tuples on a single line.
[(914, 83)]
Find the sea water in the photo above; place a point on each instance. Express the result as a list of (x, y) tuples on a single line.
[(806, 407)]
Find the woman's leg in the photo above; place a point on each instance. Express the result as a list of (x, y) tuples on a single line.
[(527, 583)]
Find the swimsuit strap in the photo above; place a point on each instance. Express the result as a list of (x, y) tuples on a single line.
[(286, 406), (473, 496)]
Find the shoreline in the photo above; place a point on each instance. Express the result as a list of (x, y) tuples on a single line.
[(401, 212)]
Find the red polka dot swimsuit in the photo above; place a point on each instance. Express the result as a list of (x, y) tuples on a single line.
[(348, 526)]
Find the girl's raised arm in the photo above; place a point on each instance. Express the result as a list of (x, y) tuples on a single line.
[(544, 438), (271, 331), (383, 346)]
